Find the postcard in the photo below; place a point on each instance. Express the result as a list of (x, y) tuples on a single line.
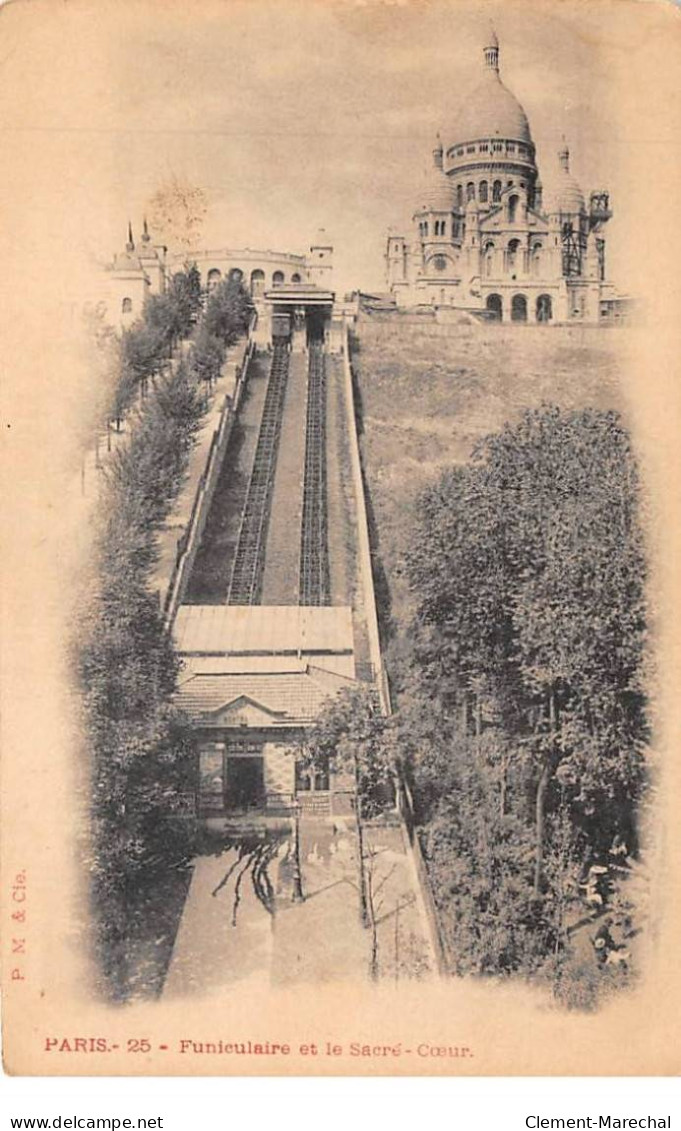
[(341, 518)]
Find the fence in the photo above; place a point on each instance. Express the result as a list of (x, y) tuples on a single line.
[(188, 543)]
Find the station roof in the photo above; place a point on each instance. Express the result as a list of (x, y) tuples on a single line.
[(300, 294), (278, 700), (251, 630)]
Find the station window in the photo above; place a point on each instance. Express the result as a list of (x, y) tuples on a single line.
[(482, 192), (126, 306)]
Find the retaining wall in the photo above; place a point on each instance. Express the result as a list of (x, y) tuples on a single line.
[(363, 544)]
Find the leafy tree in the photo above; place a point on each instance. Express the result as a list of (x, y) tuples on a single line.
[(228, 311), (528, 569), (207, 356), (128, 667), (351, 738), (186, 294)]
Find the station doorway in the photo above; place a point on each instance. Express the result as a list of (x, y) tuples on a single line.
[(245, 782)]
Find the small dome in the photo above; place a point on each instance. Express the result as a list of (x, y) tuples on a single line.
[(565, 194), (435, 194)]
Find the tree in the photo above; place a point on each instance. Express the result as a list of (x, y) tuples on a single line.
[(228, 311), (186, 295), (141, 746), (528, 568), (177, 211), (351, 738), (207, 356)]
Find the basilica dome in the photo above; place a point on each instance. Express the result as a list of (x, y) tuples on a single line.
[(490, 110)]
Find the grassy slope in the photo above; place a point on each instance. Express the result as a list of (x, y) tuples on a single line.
[(425, 399)]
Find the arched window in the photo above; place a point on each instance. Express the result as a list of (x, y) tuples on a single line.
[(535, 260), (470, 191), (494, 307), (235, 275), (295, 278), (512, 255), (482, 192), (425, 227), (257, 282), (459, 195), (126, 306), (496, 192), (213, 279), (489, 258), (544, 308), (277, 278), (512, 208), (519, 308)]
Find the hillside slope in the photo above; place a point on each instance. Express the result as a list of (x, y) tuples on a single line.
[(427, 394)]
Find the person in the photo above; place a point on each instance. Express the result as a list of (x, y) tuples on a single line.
[(603, 943), (596, 885)]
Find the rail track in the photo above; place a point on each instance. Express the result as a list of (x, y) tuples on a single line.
[(314, 586), (247, 570)]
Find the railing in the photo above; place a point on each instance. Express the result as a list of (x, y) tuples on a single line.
[(188, 543), (249, 558), (314, 546)]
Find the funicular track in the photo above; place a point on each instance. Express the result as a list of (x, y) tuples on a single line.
[(314, 546), (248, 565)]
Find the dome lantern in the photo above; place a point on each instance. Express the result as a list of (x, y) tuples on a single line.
[(491, 51), (438, 153)]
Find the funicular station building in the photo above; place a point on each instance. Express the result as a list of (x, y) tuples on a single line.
[(277, 614)]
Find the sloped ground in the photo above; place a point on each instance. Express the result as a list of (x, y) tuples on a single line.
[(426, 396), (241, 924)]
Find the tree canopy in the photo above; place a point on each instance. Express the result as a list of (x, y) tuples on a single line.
[(528, 569)]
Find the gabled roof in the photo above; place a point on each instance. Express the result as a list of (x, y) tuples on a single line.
[(288, 698), (487, 220)]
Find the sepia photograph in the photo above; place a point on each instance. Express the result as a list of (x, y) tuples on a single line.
[(341, 512)]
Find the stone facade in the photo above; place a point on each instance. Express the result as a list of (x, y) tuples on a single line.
[(486, 238), (144, 267)]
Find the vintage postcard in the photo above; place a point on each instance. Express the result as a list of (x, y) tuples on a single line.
[(340, 665)]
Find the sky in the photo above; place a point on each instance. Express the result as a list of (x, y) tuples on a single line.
[(291, 116)]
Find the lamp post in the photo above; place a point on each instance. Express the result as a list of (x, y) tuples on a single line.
[(297, 895)]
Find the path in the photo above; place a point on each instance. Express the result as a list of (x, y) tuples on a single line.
[(272, 940)]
